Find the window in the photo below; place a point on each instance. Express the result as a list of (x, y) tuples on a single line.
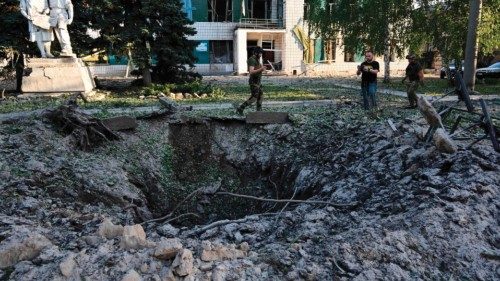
[(220, 10), (221, 52)]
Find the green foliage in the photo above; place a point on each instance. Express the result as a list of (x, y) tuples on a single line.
[(196, 86), (404, 24)]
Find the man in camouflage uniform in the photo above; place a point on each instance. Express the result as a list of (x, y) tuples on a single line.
[(255, 69), (415, 75)]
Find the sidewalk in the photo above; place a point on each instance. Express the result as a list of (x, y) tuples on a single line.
[(428, 97), (149, 109)]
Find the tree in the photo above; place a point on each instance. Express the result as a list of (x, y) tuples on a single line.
[(472, 43), (151, 30), (378, 25)]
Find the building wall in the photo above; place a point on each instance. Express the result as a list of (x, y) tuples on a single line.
[(293, 50), (213, 31)]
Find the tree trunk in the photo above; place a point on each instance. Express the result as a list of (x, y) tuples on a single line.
[(387, 55), (472, 44), (146, 77), (387, 67)]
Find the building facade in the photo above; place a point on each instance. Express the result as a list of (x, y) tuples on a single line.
[(227, 30)]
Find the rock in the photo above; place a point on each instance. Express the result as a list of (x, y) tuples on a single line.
[(218, 252), (168, 230), (168, 249), (203, 96), (169, 104), (443, 142), (195, 95), (108, 230), (132, 275), (188, 96), (171, 96), (183, 263), (167, 274), (13, 250), (92, 240), (179, 96), (134, 237), (68, 266)]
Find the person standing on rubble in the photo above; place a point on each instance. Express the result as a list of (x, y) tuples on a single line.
[(415, 75), (368, 70), (255, 69)]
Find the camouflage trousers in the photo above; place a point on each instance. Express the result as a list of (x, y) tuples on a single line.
[(256, 96), (411, 92)]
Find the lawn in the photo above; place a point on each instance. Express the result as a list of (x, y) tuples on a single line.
[(437, 86)]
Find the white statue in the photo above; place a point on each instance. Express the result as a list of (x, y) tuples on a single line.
[(36, 11), (61, 15)]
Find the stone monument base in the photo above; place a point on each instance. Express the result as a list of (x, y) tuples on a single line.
[(57, 75)]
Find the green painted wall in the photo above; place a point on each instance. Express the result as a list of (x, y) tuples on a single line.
[(200, 10), (202, 52)]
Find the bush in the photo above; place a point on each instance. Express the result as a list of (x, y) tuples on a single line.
[(192, 87)]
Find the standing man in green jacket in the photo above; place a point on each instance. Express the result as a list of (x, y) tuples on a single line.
[(255, 69)]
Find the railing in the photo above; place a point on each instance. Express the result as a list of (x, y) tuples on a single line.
[(260, 23)]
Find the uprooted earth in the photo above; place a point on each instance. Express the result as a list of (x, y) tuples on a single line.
[(333, 194)]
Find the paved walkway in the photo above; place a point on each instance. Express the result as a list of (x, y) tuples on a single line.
[(149, 109), (210, 106)]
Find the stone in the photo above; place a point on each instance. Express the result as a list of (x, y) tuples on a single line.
[(133, 237), (179, 96), (260, 117), (203, 96), (132, 275), (183, 263), (167, 274), (171, 96), (188, 96), (61, 75), (67, 266), (168, 230), (168, 104), (212, 252), (13, 250), (108, 230), (120, 123), (168, 248), (443, 142)]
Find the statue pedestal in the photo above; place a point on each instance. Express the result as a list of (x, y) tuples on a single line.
[(57, 75)]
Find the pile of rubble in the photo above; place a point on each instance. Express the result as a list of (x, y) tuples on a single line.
[(411, 211)]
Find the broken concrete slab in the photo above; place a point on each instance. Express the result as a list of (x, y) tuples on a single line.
[(120, 123), (443, 142), (261, 117)]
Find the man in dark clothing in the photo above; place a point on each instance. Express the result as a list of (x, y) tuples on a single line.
[(255, 69), (415, 75), (368, 70)]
